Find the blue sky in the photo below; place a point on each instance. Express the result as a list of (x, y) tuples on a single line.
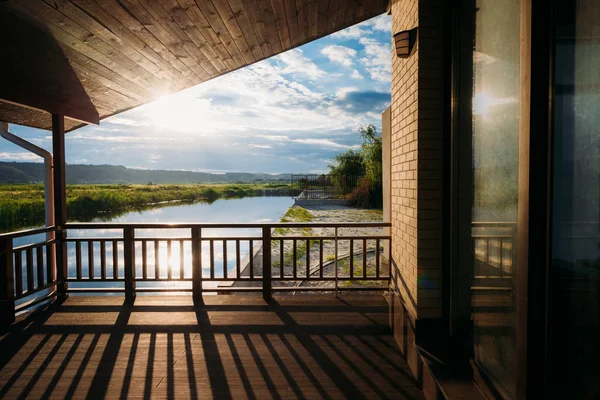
[(290, 113)]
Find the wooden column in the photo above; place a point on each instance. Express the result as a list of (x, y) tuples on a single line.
[(267, 290), (129, 262), (197, 264), (7, 291), (60, 202)]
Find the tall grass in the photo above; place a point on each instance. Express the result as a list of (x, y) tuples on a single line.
[(23, 205)]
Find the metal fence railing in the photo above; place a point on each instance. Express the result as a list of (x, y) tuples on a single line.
[(322, 187)]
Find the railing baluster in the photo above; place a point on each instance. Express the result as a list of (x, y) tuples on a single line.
[(39, 253), (29, 266), (115, 255), (91, 259), (144, 259), (294, 255), (50, 263), (377, 266), (212, 259), (336, 261), (78, 259), (197, 264), (129, 262), (351, 258), (225, 259), (181, 260), (281, 259), (364, 257), (156, 259), (307, 258), (267, 285), (321, 258), (169, 259), (18, 273), (7, 283), (102, 259), (238, 259), (251, 258)]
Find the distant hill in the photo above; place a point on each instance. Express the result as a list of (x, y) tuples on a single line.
[(18, 172)]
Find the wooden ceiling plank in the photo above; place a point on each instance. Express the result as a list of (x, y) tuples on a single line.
[(83, 71), (351, 12), (188, 27), (341, 17), (282, 24), (334, 6), (105, 26), (247, 29), (66, 30), (291, 14), (226, 15), (302, 15), (128, 71), (216, 52), (211, 14), (122, 21), (260, 29), (107, 73), (268, 18), (92, 26), (313, 19), (323, 17), (163, 18)]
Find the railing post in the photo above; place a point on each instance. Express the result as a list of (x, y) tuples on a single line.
[(7, 282), (267, 289), (197, 264), (336, 262), (129, 262)]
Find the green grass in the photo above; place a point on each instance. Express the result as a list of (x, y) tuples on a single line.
[(23, 205)]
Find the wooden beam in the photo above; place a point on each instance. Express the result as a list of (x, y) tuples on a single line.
[(60, 201)]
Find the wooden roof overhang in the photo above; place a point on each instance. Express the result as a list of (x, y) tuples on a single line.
[(90, 59)]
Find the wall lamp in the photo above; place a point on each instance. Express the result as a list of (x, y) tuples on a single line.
[(404, 42)]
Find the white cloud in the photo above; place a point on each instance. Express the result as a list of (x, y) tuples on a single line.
[(21, 156), (341, 93), (323, 142), (296, 63), (353, 32), (356, 75), (260, 146), (382, 23), (377, 60), (340, 54)]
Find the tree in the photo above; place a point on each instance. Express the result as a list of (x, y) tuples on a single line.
[(371, 153), (365, 163)]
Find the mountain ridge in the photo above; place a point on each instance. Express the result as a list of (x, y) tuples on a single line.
[(28, 172)]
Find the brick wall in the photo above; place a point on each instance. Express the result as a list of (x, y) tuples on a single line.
[(417, 134)]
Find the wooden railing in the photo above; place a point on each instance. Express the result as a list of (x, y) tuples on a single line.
[(197, 258), (27, 272), (494, 254)]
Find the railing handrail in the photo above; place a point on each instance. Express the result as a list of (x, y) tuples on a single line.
[(212, 225), (27, 232)]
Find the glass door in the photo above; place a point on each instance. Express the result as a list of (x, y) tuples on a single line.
[(494, 168), (575, 265)]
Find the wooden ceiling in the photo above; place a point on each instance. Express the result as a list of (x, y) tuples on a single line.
[(129, 52)]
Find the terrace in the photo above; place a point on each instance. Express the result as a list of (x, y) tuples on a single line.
[(73, 318)]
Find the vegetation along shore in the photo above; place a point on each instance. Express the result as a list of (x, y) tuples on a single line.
[(23, 205)]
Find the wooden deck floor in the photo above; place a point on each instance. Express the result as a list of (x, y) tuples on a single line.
[(234, 347)]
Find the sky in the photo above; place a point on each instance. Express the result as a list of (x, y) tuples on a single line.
[(290, 113)]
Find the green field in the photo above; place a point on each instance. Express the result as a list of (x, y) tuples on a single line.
[(23, 205)]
